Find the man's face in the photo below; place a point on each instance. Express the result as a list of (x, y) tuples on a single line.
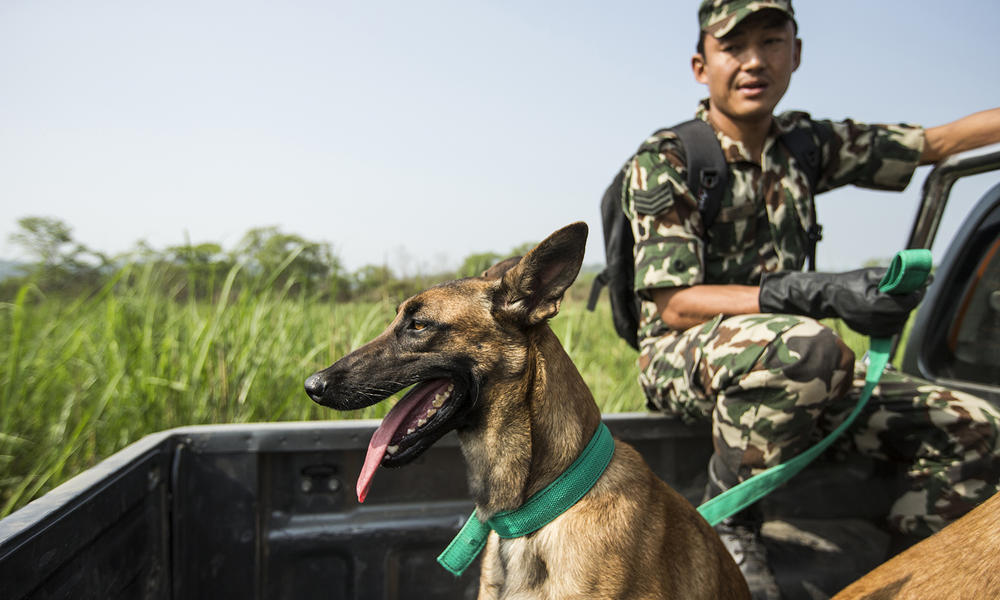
[(748, 70)]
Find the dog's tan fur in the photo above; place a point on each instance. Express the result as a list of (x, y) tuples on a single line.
[(631, 536), (960, 561)]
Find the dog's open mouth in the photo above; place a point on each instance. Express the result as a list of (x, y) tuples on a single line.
[(416, 422)]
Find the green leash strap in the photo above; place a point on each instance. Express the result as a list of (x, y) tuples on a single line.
[(908, 271), (539, 510)]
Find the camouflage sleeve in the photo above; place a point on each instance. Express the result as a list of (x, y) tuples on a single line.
[(665, 220), (881, 157)]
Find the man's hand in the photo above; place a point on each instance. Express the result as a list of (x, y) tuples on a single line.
[(853, 296)]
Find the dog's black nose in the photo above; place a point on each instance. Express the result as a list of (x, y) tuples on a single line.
[(315, 386)]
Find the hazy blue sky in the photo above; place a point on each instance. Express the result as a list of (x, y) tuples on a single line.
[(419, 132)]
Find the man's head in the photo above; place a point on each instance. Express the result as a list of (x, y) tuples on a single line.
[(747, 52)]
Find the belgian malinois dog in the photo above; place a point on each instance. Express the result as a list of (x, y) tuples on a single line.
[(484, 362)]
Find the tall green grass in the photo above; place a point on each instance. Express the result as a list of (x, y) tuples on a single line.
[(80, 378)]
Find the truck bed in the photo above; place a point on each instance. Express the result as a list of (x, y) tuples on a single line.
[(268, 511)]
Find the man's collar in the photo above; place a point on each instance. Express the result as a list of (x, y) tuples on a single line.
[(734, 150)]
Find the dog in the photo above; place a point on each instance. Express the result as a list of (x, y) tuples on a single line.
[(484, 362), (960, 561)]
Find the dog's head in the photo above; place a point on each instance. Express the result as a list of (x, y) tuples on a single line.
[(450, 342)]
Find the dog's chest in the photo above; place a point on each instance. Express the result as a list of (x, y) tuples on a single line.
[(524, 565), (537, 566)]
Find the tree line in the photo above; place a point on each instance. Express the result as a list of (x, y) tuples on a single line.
[(264, 256)]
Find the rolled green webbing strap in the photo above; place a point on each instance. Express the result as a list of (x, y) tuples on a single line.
[(907, 273)]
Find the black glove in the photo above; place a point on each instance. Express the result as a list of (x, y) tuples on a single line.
[(852, 296)]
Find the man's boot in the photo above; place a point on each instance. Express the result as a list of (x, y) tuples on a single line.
[(740, 535)]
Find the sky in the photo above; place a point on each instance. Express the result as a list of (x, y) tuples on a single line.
[(413, 134)]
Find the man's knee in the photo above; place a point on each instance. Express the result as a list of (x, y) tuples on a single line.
[(809, 352), (768, 413)]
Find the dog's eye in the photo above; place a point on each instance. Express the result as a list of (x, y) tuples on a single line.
[(418, 325)]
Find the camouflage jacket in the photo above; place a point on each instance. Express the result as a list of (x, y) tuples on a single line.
[(765, 213)]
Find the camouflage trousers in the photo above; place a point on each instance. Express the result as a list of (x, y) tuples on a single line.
[(773, 385)]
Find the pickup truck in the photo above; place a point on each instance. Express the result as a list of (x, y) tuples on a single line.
[(267, 511)]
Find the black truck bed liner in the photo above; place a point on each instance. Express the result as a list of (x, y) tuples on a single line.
[(268, 511)]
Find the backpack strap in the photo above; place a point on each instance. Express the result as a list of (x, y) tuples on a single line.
[(801, 144), (708, 177), (708, 173)]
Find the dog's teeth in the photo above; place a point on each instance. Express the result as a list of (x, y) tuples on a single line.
[(392, 449), (421, 422), (438, 401), (431, 412), (410, 430), (451, 386)]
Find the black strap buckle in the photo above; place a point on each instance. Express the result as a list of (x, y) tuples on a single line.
[(709, 178)]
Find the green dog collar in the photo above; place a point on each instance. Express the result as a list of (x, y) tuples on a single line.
[(539, 510)]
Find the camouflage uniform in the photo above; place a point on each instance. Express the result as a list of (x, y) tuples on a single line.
[(774, 384)]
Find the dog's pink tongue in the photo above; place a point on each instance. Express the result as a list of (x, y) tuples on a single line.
[(377, 447), (417, 399)]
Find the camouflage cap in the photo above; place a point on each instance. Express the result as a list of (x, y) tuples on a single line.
[(718, 17)]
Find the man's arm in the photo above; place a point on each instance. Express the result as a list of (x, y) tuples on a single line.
[(968, 133), (853, 296), (684, 307)]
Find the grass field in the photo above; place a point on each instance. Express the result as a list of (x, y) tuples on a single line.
[(82, 378)]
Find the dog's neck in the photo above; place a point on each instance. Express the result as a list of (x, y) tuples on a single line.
[(532, 428)]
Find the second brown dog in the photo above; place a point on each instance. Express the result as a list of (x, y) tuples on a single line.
[(962, 561)]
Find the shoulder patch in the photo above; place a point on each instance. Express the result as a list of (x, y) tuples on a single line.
[(654, 201)]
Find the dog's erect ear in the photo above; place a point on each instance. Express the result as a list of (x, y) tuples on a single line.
[(531, 290), (500, 268)]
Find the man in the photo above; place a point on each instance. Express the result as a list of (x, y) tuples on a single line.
[(729, 325)]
